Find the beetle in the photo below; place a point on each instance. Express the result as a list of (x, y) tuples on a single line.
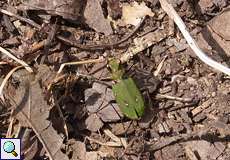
[(127, 94)]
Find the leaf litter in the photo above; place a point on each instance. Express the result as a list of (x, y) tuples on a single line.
[(32, 111), (133, 12), (187, 102), (99, 99)]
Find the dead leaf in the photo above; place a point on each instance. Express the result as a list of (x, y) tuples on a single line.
[(221, 25), (174, 152), (124, 128), (111, 113), (216, 35), (94, 17), (68, 9), (114, 9), (147, 118), (93, 123), (30, 145), (79, 151), (96, 155), (205, 5), (206, 150), (92, 156), (180, 45), (33, 111), (133, 12), (99, 70), (98, 100)]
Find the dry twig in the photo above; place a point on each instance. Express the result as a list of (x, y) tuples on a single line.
[(159, 67), (142, 43), (32, 23), (75, 44), (2, 63), (185, 100), (182, 137), (117, 142), (101, 46)]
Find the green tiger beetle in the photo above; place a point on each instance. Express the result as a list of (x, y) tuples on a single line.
[(127, 95)]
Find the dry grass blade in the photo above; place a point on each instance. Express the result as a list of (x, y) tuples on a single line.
[(120, 141), (10, 128), (2, 63), (159, 67), (5, 81), (173, 15), (109, 144), (24, 64), (100, 59), (111, 135)]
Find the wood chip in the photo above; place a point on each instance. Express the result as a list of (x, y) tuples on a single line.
[(68, 9), (94, 17)]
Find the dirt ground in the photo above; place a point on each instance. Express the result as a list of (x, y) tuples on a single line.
[(70, 112)]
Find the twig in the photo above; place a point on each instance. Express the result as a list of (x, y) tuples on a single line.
[(2, 63), (116, 139), (5, 114), (50, 38), (32, 23), (56, 79), (10, 128), (162, 96), (24, 64), (173, 15), (142, 43), (159, 67), (75, 44), (110, 143), (101, 46), (182, 137), (61, 115), (5, 81)]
